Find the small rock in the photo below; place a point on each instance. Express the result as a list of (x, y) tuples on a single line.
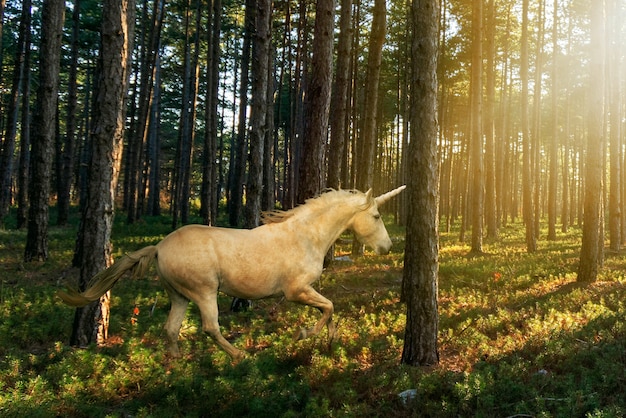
[(408, 395)]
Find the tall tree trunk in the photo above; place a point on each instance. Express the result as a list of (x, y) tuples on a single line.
[(615, 107), (7, 146), (209, 197), (554, 145), (317, 102), (536, 129), (238, 160), (592, 242), (184, 152), (421, 258), (258, 111), (139, 137), (527, 177), (66, 149), (491, 217), (476, 139), (24, 164), (154, 145), (44, 130), (91, 322), (339, 99), (367, 147)]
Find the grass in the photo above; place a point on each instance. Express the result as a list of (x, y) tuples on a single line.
[(518, 337)]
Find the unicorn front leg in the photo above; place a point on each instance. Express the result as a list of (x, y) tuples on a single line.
[(308, 296)]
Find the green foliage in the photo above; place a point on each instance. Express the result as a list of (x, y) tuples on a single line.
[(518, 336)]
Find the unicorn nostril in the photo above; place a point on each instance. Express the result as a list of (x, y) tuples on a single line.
[(384, 249)]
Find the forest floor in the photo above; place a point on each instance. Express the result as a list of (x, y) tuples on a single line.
[(518, 338)]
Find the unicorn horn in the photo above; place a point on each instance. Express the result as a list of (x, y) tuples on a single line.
[(385, 197)]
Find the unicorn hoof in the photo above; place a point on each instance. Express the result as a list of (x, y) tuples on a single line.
[(300, 334)]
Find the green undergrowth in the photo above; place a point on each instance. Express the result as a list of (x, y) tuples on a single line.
[(518, 337)]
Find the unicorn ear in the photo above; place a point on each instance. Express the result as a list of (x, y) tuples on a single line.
[(385, 197)]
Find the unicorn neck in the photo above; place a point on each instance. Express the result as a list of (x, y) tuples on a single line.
[(326, 226)]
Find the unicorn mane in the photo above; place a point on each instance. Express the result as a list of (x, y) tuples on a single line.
[(325, 199)]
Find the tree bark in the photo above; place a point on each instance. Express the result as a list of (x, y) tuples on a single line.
[(66, 148), (209, 193), (367, 146), (317, 102), (7, 144), (258, 111), (339, 99), (91, 322), (238, 161), (615, 115), (139, 135), (491, 217), (476, 142), (421, 265), (44, 130), (554, 145), (592, 242), (527, 177)]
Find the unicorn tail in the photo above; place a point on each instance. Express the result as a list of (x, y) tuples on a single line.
[(137, 263)]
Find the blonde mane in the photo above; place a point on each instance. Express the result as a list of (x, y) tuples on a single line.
[(327, 198)]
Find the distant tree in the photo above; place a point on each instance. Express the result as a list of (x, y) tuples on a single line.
[(91, 321), (527, 177), (491, 217), (66, 144), (8, 141), (209, 193), (592, 242), (476, 138), (258, 111), (237, 168), (366, 147), (615, 126), (339, 99), (24, 161), (553, 149), (44, 129), (181, 190), (421, 257), (317, 103), (143, 127)]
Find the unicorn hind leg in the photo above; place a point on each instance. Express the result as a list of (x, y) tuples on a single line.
[(175, 319), (210, 324)]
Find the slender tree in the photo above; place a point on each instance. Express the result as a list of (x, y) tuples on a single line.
[(238, 160), (317, 102), (258, 112), (91, 321), (209, 197), (44, 129), (7, 145), (554, 145), (339, 99), (24, 161), (476, 138), (592, 243), (491, 195), (151, 30), (421, 265), (527, 177), (366, 150), (66, 144), (615, 131)]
